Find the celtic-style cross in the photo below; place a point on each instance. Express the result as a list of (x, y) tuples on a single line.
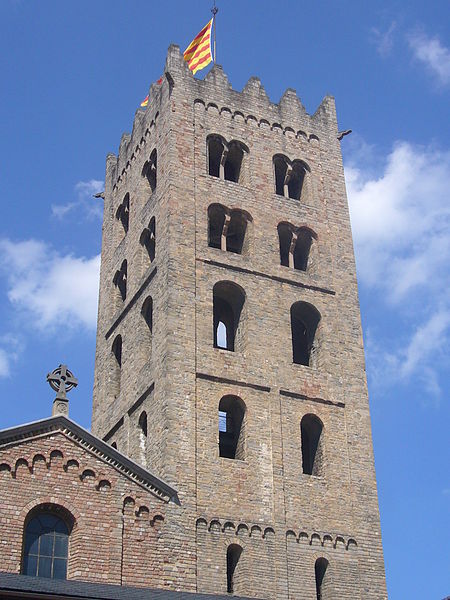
[(61, 380)]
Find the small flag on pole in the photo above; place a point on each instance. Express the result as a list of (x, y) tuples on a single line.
[(144, 102), (198, 54)]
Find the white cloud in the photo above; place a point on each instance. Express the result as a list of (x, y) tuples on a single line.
[(401, 226), (432, 54), (10, 349), (85, 204), (49, 289), (384, 40)]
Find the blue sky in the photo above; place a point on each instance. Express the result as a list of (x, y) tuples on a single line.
[(73, 74)]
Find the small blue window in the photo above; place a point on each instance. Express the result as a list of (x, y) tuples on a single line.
[(46, 547)]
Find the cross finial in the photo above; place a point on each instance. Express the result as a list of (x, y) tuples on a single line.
[(61, 380)]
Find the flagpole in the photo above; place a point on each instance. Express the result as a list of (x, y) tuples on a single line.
[(214, 11)]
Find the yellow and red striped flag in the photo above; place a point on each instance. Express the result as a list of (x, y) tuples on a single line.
[(198, 54), (144, 102)]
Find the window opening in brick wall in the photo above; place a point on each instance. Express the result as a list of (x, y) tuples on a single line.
[(304, 321), (295, 245), (142, 425), (311, 437), (233, 555), (114, 445), (123, 212), (232, 427), (215, 152), (149, 170), (216, 222), (280, 164), (116, 367), (46, 544), (320, 569), (148, 239), (289, 177), (228, 301), (236, 231), (120, 280), (147, 313), (233, 162)]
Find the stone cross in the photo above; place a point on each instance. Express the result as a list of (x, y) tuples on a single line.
[(61, 380)]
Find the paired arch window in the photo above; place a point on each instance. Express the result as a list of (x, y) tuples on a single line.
[(290, 176), (232, 427), (225, 159), (234, 552), (46, 545), (123, 212), (120, 280), (304, 321), (148, 239), (322, 584), (149, 170), (227, 228), (295, 245), (228, 301), (311, 436)]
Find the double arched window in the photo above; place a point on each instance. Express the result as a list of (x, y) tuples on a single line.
[(290, 177), (46, 544), (227, 228), (225, 159), (295, 245)]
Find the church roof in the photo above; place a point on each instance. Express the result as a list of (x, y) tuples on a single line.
[(14, 586), (126, 466)]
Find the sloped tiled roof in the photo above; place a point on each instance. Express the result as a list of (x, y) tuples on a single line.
[(92, 443)]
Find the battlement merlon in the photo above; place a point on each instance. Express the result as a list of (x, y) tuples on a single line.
[(215, 89)]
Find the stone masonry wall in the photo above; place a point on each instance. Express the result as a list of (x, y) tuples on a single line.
[(333, 514)]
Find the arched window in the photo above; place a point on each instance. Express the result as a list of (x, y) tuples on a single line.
[(311, 435), (234, 552), (295, 245), (120, 280), (123, 212), (236, 231), (216, 147), (216, 222), (116, 352), (296, 179), (280, 165), (46, 545), (228, 301), (304, 321), (320, 569), (147, 313), (225, 159), (149, 170), (289, 176), (233, 161), (148, 239), (142, 424), (227, 229), (232, 427)]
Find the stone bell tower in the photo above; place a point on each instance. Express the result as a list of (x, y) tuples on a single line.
[(229, 348)]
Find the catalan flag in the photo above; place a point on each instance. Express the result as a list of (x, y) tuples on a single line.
[(198, 54), (144, 102)]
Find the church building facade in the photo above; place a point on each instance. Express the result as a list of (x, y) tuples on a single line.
[(231, 447)]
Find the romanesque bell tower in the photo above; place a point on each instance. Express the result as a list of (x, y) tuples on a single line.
[(229, 355)]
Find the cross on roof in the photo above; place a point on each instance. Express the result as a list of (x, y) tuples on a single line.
[(62, 380)]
